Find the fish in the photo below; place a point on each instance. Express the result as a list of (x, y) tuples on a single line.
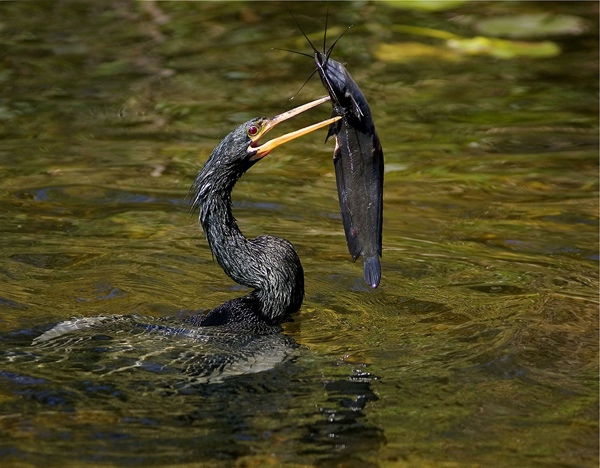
[(358, 161)]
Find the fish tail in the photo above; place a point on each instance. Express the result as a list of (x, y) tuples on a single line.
[(372, 270)]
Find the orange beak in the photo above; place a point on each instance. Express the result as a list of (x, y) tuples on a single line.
[(266, 148)]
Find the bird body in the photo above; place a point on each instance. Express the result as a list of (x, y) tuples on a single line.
[(267, 264)]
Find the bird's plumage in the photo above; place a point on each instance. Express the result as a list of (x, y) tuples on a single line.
[(267, 264)]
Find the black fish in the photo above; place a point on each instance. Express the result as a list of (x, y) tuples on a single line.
[(358, 160)]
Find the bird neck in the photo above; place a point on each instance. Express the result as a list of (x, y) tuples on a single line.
[(267, 264), (225, 239)]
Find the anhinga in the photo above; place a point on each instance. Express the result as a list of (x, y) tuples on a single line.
[(267, 264), (249, 340)]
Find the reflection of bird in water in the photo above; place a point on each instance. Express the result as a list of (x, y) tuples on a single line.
[(133, 347), (266, 263), (247, 340)]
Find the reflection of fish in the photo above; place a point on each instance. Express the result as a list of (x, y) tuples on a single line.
[(358, 160)]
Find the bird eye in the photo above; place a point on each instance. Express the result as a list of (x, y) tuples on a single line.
[(252, 130)]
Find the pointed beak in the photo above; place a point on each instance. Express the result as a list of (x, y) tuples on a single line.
[(264, 149)]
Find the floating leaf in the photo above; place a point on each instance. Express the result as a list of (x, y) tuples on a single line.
[(409, 51), (500, 48), (427, 5), (504, 49), (420, 31), (454, 48), (531, 25)]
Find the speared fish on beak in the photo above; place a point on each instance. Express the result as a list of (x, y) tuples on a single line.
[(358, 161)]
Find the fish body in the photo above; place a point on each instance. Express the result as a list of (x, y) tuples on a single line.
[(358, 161)]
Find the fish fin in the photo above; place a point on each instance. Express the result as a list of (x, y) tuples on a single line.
[(355, 107), (334, 128), (331, 132), (372, 269)]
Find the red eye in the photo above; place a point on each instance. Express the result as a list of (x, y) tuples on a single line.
[(252, 130)]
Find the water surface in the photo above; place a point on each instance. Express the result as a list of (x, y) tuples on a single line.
[(480, 346)]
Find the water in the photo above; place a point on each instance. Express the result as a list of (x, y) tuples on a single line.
[(480, 346)]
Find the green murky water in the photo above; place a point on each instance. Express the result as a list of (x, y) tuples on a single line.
[(479, 348)]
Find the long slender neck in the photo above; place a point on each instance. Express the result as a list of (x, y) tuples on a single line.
[(229, 246), (267, 264)]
